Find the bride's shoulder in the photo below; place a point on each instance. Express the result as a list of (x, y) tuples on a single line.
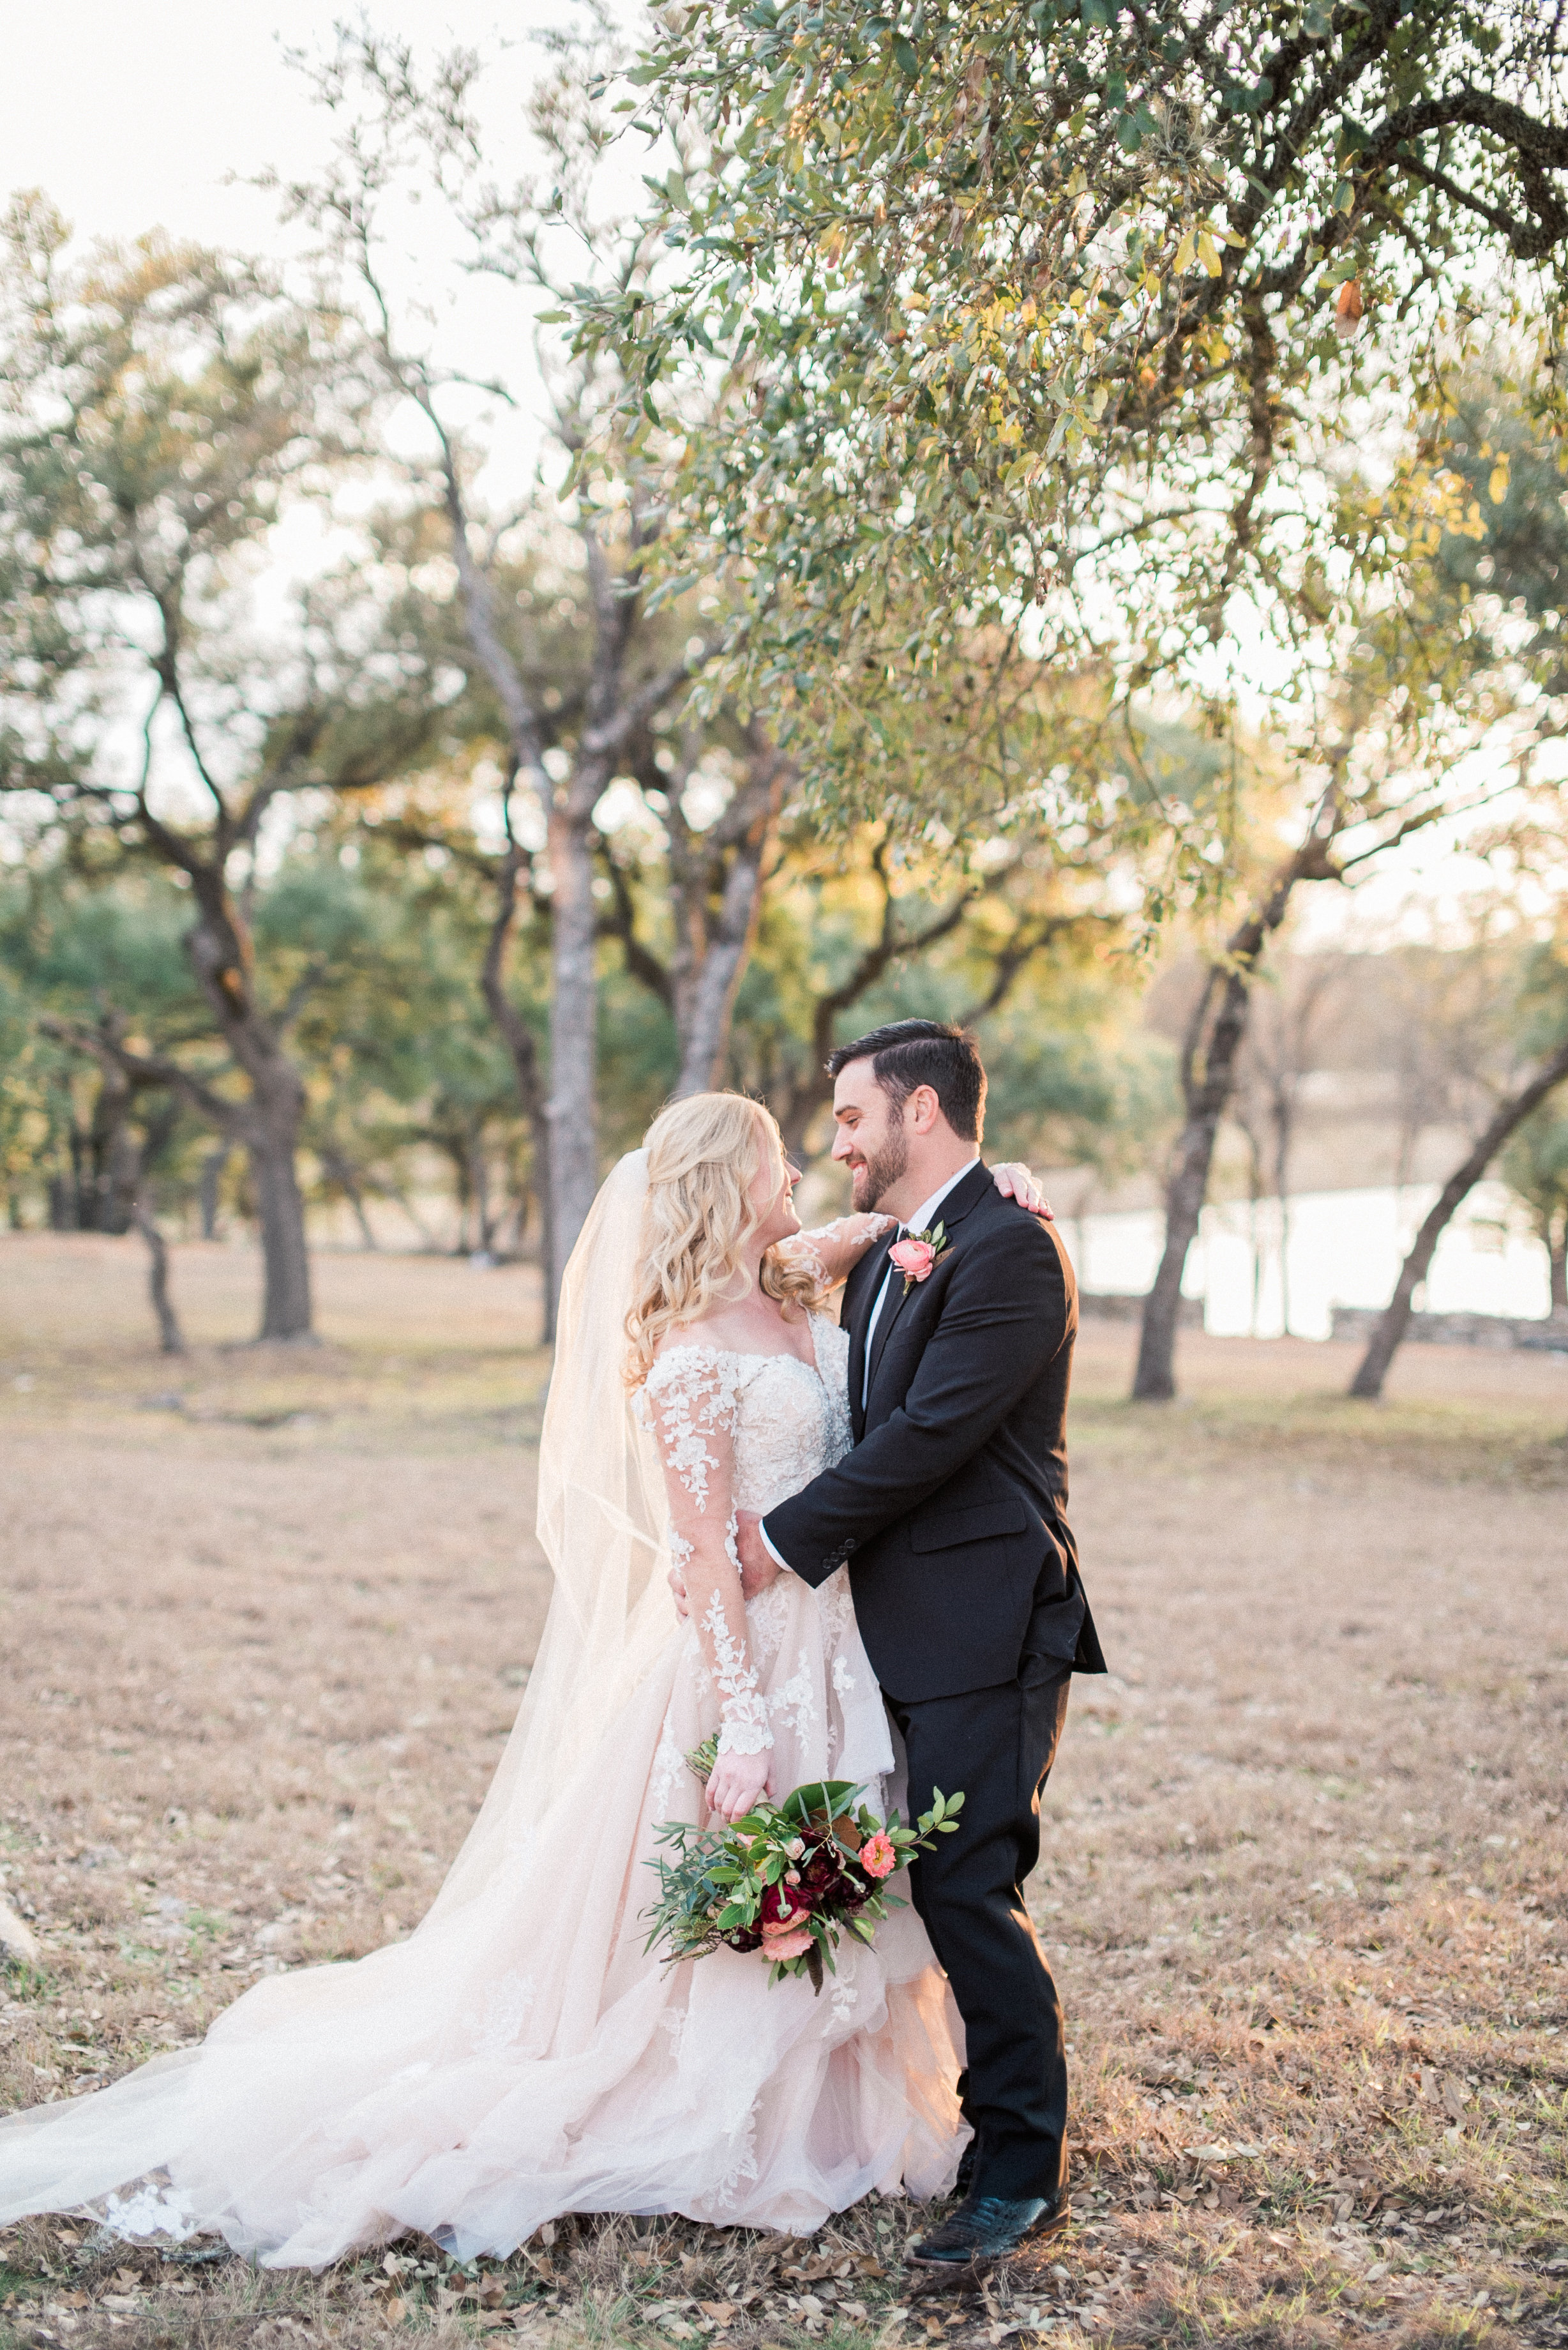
[(688, 1347)]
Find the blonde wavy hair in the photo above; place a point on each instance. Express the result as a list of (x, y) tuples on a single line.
[(703, 1154)]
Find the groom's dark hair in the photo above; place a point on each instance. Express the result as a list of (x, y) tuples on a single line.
[(911, 1053)]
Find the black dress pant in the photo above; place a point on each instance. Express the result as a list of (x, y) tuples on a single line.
[(998, 1745)]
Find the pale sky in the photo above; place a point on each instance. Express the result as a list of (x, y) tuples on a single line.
[(131, 118), (134, 118)]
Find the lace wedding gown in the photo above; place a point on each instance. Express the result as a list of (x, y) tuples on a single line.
[(519, 2057)]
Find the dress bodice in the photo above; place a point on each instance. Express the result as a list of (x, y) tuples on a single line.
[(787, 1420)]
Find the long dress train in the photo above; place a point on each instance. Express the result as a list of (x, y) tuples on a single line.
[(521, 2056)]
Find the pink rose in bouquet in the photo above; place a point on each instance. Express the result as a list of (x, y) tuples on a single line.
[(788, 1879), (876, 1856), (782, 1943)]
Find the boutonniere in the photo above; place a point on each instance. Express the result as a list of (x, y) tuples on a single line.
[(917, 1253)]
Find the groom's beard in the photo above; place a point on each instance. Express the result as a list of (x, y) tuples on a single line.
[(869, 1184)]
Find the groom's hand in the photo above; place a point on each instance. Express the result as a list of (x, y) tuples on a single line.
[(759, 1567)]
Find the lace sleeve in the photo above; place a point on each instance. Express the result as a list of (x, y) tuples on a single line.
[(835, 1248), (693, 1402)]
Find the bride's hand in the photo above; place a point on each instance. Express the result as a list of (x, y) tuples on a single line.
[(736, 1782), (1014, 1181)]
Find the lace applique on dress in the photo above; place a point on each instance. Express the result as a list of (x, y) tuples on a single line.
[(767, 1616), (745, 1712), (799, 1250), (668, 1762), (507, 2005), (150, 2210), (836, 1603), (694, 1398), (795, 1703), (740, 2165), (693, 1393), (740, 1431), (845, 1997)]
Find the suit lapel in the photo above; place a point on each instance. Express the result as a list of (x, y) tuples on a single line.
[(869, 1274), (952, 1212), (897, 1298)]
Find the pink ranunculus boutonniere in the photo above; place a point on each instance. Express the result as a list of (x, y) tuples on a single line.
[(917, 1253)]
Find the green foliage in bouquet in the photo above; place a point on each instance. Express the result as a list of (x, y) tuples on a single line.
[(786, 1879)]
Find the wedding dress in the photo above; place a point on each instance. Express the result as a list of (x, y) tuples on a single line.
[(521, 2056)]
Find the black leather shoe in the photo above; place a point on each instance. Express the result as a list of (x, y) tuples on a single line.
[(985, 2228)]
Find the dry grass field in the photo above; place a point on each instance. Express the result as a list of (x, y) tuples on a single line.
[(264, 1616)]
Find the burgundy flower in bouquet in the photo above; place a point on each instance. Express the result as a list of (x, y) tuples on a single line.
[(787, 1879)]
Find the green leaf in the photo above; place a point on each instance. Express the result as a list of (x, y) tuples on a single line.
[(906, 56), (1129, 133), (1317, 22)]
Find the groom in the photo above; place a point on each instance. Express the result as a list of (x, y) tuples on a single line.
[(950, 1511)]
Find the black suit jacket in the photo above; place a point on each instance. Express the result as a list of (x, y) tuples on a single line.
[(951, 1509)]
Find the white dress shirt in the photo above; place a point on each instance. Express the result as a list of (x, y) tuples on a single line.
[(921, 1221)]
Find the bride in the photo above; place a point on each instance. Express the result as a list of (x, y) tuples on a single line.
[(522, 2056)]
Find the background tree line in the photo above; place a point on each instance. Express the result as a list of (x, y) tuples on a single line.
[(518, 820)]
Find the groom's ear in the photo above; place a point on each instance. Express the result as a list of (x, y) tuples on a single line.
[(922, 1110)]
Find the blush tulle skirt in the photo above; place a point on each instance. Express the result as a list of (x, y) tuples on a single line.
[(521, 2056)]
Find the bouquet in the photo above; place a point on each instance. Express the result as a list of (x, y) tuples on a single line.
[(786, 1879)]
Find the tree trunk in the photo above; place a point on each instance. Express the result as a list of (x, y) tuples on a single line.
[(518, 1039), (114, 1157), (1384, 1344), (219, 948), (1187, 1185), (338, 1169), (286, 1260), (171, 1338), (213, 1168), (574, 1122), (479, 1180), (712, 950), (1557, 1252), (1204, 1097)]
